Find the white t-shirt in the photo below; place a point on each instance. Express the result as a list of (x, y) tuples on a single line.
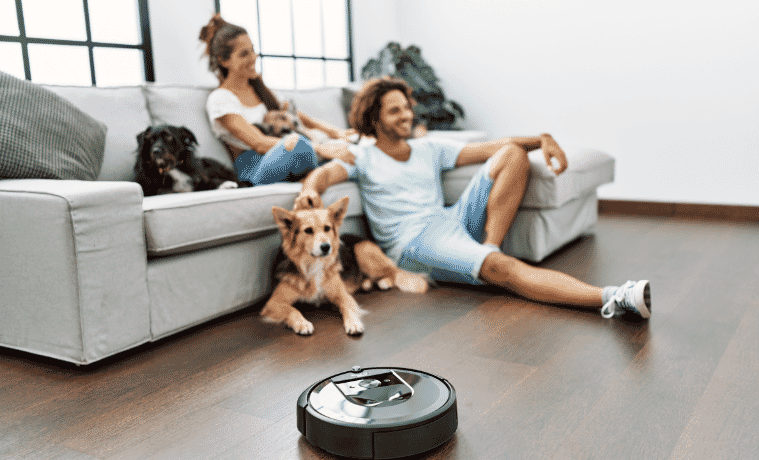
[(222, 102), (398, 196)]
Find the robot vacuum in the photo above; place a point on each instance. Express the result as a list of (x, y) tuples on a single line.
[(378, 412)]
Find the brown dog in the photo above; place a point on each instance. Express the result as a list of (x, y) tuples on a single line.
[(318, 265)]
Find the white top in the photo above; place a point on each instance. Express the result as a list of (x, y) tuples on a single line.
[(398, 196), (222, 102)]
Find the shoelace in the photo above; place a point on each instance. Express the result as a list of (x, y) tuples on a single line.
[(611, 306)]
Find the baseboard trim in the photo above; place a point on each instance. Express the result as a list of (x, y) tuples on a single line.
[(683, 210)]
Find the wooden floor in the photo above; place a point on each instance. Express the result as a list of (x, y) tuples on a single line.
[(533, 381)]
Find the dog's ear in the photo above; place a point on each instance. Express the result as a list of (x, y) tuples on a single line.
[(187, 136), (284, 218), (337, 210), (141, 137)]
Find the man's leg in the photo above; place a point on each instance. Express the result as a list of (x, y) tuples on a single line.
[(510, 171), (538, 284)]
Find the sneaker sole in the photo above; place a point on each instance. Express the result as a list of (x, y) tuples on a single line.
[(643, 298)]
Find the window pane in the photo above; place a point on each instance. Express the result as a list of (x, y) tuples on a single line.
[(59, 19), (276, 27), (337, 73), (243, 14), (309, 73), (118, 67), (8, 18), (11, 60), (307, 28), (278, 72), (115, 21), (60, 64), (335, 19)]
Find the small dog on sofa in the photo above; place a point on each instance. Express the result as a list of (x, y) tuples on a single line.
[(166, 163), (279, 123), (316, 264)]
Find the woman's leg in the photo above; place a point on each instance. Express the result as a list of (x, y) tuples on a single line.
[(538, 284), (280, 164)]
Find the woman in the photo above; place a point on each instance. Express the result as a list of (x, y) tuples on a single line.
[(242, 99)]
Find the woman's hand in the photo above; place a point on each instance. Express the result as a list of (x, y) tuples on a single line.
[(552, 150), (335, 150)]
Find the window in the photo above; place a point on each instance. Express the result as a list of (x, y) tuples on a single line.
[(76, 42), (302, 44)]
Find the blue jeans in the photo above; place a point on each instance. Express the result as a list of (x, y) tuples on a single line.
[(278, 164)]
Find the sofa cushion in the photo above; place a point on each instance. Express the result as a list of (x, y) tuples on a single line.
[(44, 136), (323, 104), (183, 105), (182, 222), (588, 169), (123, 110)]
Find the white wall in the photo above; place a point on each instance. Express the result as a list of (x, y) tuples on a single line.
[(175, 26), (666, 86)]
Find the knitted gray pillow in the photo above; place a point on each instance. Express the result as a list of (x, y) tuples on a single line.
[(44, 136)]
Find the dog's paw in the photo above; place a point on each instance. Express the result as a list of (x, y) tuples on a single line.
[(414, 283), (228, 185), (353, 325), (299, 324), (385, 284), (366, 285), (304, 327)]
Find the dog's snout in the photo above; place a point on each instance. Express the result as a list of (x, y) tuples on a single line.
[(325, 248)]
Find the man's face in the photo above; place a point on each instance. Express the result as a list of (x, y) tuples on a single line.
[(395, 116)]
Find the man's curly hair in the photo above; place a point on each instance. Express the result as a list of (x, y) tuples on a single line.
[(365, 109)]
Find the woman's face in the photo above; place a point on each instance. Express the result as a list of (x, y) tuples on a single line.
[(242, 61)]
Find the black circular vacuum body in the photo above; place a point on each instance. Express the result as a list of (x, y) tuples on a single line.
[(379, 412)]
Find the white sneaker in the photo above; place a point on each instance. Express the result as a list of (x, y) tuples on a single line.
[(633, 296)]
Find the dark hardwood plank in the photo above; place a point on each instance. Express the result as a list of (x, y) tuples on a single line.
[(533, 380)]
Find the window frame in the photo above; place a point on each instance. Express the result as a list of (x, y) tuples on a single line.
[(348, 59), (146, 46)]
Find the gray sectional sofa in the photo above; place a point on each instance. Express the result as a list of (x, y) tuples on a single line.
[(92, 268)]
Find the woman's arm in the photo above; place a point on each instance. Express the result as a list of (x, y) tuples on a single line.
[(331, 131), (239, 127)]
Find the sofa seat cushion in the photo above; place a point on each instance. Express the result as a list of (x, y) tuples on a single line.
[(588, 169), (183, 222)]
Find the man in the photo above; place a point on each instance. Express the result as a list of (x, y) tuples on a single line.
[(401, 186)]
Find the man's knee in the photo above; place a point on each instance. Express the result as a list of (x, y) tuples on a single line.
[(511, 158), (498, 268)]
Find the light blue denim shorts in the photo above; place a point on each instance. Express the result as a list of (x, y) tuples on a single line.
[(450, 247)]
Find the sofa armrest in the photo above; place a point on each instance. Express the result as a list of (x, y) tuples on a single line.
[(588, 169), (74, 268)]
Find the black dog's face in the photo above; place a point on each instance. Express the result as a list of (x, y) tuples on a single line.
[(166, 147)]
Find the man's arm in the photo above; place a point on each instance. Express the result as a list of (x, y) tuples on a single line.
[(480, 152), (320, 179)]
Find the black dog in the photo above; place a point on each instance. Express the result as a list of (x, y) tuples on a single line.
[(166, 163)]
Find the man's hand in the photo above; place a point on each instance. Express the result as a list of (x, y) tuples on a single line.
[(552, 150), (308, 199)]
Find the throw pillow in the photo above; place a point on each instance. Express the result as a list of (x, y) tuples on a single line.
[(44, 136)]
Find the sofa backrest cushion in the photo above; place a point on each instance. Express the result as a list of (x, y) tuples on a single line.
[(183, 105), (124, 111), (324, 103), (44, 136)]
